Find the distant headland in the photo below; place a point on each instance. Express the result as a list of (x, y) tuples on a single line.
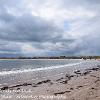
[(54, 57)]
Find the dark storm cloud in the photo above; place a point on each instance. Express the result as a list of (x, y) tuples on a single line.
[(24, 27), (28, 28)]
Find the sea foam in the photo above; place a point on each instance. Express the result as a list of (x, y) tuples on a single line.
[(2, 73)]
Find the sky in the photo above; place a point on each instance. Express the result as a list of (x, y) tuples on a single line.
[(49, 27)]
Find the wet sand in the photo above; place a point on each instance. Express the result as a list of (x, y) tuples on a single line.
[(80, 85)]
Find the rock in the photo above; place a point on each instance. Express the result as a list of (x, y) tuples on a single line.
[(77, 72), (60, 79), (26, 84), (45, 81), (5, 88), (64, 82), (86, 72), (62, 92)]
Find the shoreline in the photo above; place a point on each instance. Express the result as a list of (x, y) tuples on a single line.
[(82, 85), (47, 59)]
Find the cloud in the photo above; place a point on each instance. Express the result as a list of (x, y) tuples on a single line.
[(49, 27), (28, 28)]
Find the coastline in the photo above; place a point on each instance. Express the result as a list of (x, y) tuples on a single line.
[(82, 85)]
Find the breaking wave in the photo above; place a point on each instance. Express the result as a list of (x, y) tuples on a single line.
[(2, 73)]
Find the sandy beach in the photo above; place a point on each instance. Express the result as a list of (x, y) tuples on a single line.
[(80, 85)]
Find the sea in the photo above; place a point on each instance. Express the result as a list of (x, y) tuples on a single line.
[(14, 71)]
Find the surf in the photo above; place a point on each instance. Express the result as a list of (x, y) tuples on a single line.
[(2, 73)]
